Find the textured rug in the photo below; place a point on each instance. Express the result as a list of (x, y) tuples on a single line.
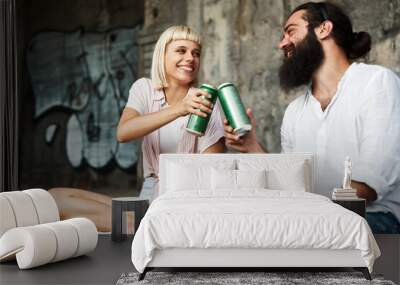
[(243, 278)]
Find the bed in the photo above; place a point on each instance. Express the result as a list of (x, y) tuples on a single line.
[(246, 211)]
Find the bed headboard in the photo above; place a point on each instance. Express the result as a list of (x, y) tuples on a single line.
[(212, 159)]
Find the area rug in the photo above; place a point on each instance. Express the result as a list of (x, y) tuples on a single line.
[(243, 278)]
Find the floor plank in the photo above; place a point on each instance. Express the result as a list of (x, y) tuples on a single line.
[(102, 266)]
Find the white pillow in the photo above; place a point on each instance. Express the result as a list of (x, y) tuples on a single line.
[(293, 180), (182, 177), (282, 174), (223, 179), (187, 176), (251, 178)]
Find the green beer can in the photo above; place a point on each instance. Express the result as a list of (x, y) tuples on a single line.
[(233, 109), (197, 125)]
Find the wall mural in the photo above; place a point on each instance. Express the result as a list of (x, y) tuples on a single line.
[(89, 74)]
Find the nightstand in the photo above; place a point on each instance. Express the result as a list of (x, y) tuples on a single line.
[(356, 205), (127, 212)]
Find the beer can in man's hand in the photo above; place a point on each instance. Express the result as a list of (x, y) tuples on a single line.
[(233, 109), (197, 125)]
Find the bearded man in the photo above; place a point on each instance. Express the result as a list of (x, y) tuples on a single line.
[(349, 109)]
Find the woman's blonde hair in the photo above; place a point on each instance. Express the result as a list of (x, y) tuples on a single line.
[(158, 76)]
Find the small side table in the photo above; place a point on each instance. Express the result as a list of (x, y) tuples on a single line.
[(356, 205), (125, 204)]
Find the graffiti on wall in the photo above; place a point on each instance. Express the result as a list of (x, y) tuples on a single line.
[(89, 74)]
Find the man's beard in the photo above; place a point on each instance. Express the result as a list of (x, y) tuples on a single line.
[(304, 60)]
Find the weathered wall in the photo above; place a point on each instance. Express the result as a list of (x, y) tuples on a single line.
[(93, 15), (43, 165), (240, 40), (158, 15)]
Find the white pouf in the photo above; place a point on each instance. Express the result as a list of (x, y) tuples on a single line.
[(22, 207), (46, 207), (31, 232), (7, 216)]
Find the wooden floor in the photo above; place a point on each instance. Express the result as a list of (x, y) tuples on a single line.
[(102, 266), (110, 259)]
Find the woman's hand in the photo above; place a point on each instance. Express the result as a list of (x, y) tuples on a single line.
[(133, 125), (195, 102), (246, 143)]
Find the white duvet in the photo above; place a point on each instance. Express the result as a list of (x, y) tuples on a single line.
[(250, 219)]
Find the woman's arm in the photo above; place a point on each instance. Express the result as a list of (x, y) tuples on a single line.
[(218, 147), (132, 125)]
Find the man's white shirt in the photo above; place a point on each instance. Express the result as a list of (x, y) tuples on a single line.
[(362, 121)]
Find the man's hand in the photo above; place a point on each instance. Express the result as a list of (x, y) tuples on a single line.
[(364, 191), (246, 143)]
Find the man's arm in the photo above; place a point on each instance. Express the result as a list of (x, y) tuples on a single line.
[(364, 191), (378, 165)]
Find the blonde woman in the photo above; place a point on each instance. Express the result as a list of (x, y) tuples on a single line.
[(158, 108)]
